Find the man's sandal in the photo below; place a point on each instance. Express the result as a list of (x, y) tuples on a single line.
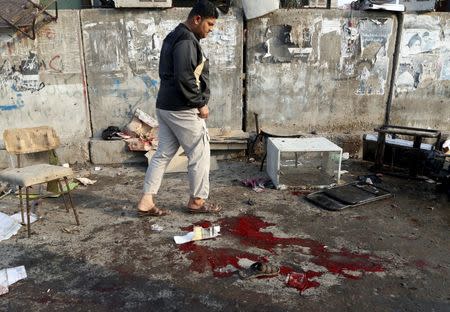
[(154, 212), (206, 208), (259, 269)]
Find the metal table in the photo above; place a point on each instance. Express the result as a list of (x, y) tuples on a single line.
[(418, 134)]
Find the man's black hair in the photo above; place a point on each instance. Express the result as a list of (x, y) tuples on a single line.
[(205, 9)]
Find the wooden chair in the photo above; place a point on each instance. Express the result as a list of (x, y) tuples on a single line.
[(35, 140)]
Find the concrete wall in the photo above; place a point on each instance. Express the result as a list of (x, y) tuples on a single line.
[(422, 87), (42, 83), (320, 70), (122, 55)]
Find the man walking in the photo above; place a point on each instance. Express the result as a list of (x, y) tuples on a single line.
[(181, 109)]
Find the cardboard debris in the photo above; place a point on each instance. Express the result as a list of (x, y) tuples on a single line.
[(138, 145), (198, 233), (146, 118), (142, 132)]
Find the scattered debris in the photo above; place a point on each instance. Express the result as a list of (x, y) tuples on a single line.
[(70, 230), (10, 276), (8, 226), (141, 132), (370, 179), (111, 133), (86, 181), (446, 147), (297, 280), (5, 193), (18, 218), (198, 233), (250, 202), (258, 184), (345, 156), (157, 228), (348, 195)]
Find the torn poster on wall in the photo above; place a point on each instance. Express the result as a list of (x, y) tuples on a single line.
[(285, 44), (105, 41), (16, 80), (24, 77), (363, 50), (424, 53), (364, 54), (220, 46), (144, 42)]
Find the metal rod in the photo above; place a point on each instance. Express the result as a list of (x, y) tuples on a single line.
[(71, 202), (27, 191), (61, 191), (21, 204)]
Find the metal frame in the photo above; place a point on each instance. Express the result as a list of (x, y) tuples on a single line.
[(417, 133), (27, 199), (41, 10)]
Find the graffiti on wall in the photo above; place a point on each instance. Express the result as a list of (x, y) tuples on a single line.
[(19, 79), (424, 53), (24, 77)]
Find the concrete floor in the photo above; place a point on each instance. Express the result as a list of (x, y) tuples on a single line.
[(392, 255)]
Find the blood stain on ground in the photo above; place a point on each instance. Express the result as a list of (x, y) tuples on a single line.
[(247, 229)]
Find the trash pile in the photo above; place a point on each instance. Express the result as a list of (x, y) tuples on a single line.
[(141, 134)]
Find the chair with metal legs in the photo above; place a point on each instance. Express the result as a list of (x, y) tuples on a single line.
[(34, 140)]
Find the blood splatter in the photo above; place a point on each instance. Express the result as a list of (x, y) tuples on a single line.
[(248, 230)]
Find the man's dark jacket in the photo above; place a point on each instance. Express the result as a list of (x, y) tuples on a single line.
[(181, 53)]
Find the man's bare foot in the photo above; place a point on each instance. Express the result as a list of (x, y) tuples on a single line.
[(195, 203), (199, 205), (146, 203)]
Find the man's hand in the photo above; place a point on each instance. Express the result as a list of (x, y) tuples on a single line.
[(203, 112)]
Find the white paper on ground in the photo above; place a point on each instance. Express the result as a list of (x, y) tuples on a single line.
[(184, 239), (3, 283), (10, 276), (8, 226), (86, 181), (18, 218)]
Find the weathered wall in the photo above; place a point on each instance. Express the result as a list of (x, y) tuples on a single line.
[(321, 70), (422, 87), (42, 83), (122, 55)]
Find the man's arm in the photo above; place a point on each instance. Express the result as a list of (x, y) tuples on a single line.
[(184, 63)]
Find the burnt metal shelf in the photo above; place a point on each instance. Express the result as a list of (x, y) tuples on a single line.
[(26, 16)]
